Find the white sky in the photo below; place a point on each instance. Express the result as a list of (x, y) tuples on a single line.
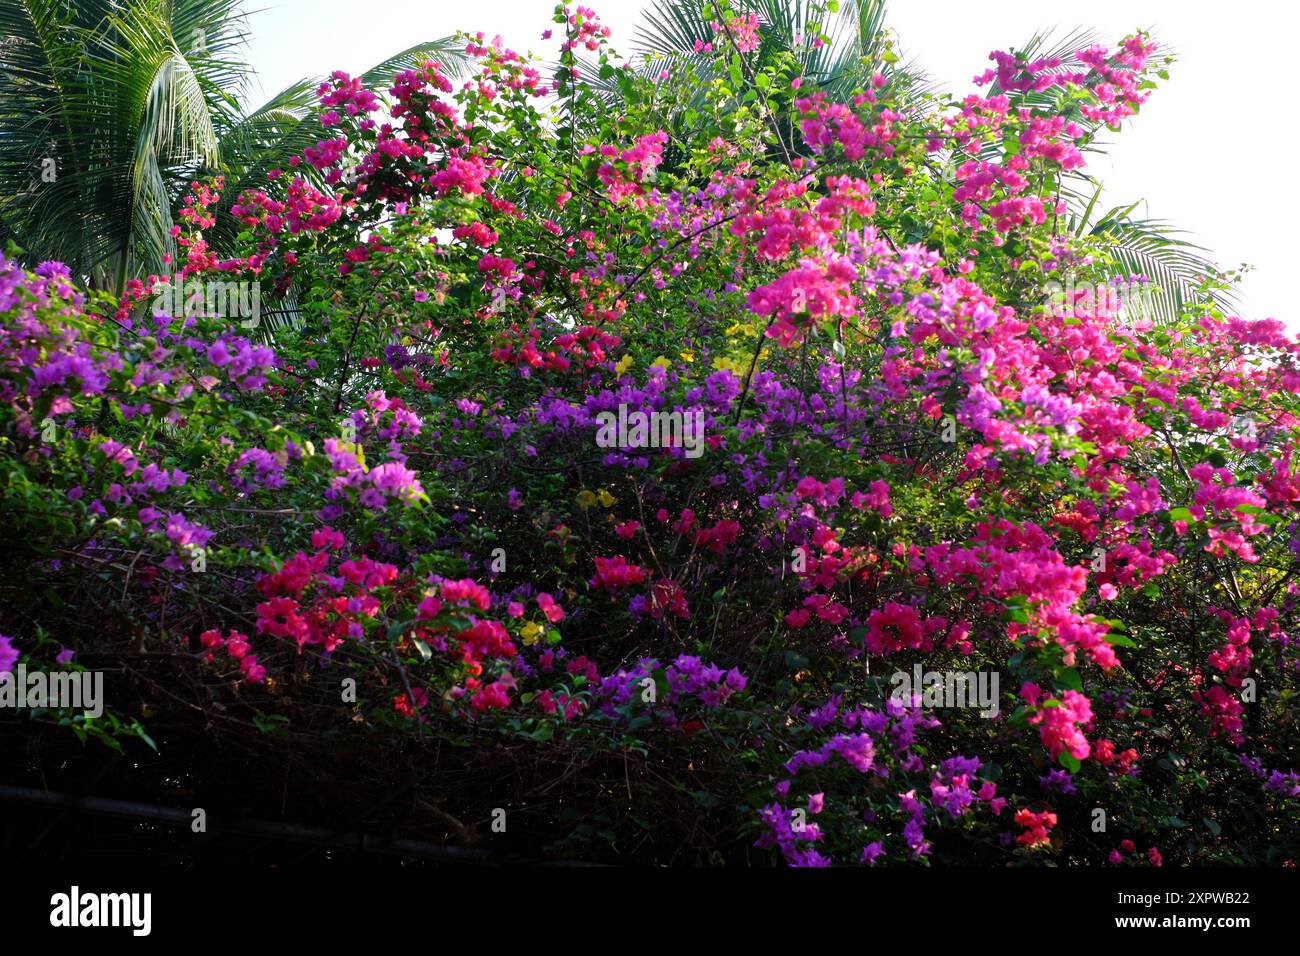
[(1198, 154)]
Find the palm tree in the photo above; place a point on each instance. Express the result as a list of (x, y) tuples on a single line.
[(110, 108)]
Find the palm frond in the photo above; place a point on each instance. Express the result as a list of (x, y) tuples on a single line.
[(856, 49), (448, 51), (1155, 249)]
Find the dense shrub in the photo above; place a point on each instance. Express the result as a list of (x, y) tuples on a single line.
[(911, 456)]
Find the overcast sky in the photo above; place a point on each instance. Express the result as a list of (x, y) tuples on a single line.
[(1204, 152)]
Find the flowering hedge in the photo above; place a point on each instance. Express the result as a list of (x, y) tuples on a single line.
[(408, 518)]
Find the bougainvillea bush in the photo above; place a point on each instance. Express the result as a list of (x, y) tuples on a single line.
[(411, 525)]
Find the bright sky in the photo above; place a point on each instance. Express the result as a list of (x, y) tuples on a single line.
[(1194, 155)]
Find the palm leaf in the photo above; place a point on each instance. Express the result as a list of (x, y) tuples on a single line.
[(448, 51), (1156, 249)]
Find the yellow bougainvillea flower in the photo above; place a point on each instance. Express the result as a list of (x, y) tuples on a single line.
[(355, 449), (623, 365), (586, 499), (661, 362), (605, 498), (687, 355), (729, 365), (531, 632)]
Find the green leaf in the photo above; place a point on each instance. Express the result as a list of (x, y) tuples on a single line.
[(1070, 679), (275, 724)]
